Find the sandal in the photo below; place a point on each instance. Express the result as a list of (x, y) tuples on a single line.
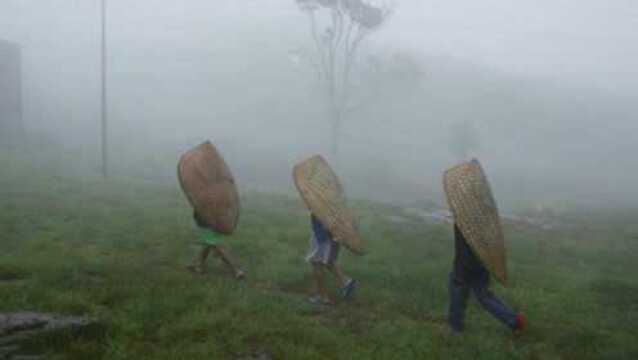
[(348, 290)]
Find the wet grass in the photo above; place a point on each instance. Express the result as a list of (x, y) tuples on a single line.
[(116, 250)]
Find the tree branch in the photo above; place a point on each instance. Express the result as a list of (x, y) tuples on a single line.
[(350, 57), (313, 32)]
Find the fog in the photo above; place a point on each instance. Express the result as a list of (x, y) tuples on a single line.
[(542, 92)]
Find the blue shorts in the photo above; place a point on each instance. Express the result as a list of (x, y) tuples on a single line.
[(322, 252)]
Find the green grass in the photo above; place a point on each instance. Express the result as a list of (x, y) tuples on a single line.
[(115, 250)]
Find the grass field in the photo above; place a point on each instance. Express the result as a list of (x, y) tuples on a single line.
[(115, 250)]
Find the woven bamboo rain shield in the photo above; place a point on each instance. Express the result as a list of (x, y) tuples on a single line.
[(210, 187), (476, 214), (323, 194)]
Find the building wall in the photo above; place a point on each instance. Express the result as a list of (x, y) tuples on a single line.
[(11, 126)]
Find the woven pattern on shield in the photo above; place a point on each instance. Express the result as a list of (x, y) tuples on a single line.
[(475, 212), (324, 196), (325, 186)]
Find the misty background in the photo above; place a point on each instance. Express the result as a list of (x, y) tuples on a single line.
[(542, 92)]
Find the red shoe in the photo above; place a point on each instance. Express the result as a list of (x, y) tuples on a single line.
[(521, 323)]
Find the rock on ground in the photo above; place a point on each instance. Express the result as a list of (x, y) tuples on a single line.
[(19, 329)]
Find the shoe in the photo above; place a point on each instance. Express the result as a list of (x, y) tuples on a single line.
[(240, 275), (348, 290), (319, 300), (521, 323), (195, 269)]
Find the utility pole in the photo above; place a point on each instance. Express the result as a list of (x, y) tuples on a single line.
[(22, 131), (105, 157)]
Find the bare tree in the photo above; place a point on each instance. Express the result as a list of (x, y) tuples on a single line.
[(337, 28)]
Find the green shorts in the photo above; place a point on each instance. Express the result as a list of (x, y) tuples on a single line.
[(209, 237)]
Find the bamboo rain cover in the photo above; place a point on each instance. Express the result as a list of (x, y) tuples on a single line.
[(210, 187), (475, 212), (324, 196)]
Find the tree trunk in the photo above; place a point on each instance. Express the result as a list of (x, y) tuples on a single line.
[(336, 135)]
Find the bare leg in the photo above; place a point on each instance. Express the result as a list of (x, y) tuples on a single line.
[(199, 265), (318, 272), (223, 255), (348, 284), (341, 277), (203, 256)]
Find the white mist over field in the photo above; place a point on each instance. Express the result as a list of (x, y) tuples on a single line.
[(543, 92)]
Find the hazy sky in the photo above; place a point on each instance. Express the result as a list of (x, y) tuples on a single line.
[(524, 70), (589, 41)]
